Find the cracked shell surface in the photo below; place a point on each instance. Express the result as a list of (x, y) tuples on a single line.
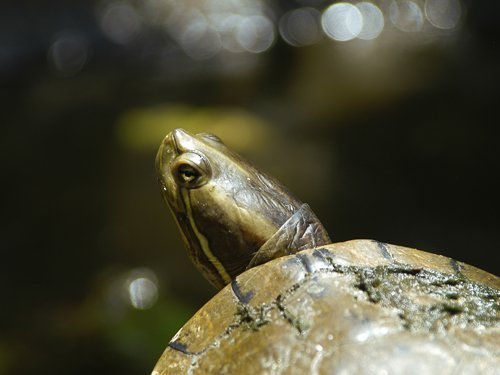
[(357, 307)]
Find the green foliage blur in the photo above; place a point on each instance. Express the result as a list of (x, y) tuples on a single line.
[(391, 134)]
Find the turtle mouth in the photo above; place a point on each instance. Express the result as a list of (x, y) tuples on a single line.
[(167, 152), (169, 149)]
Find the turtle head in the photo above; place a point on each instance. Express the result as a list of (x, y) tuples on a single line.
[(226, 210)]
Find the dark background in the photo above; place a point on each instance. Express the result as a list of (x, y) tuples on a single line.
[(394, 139)]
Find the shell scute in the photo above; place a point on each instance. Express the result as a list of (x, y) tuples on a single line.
[(320, 311)]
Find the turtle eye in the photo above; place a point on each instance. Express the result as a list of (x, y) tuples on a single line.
[(187, 173), (191, 170)]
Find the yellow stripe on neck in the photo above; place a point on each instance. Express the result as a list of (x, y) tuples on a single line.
[(203, 240)]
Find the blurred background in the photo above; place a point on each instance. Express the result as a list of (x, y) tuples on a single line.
[(382, 115)]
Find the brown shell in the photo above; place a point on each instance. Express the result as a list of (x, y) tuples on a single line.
[(357, 307)]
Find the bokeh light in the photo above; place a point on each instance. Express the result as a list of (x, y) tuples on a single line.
[(443, 14), (373, 21), (68, 53), (342, 21), (300, 27), (120, 22), (256, 34), (142, 287), (205, 28), (406, 15), (200, 41), (227, 26)]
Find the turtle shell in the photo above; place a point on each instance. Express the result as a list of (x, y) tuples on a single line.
[(357, 307)]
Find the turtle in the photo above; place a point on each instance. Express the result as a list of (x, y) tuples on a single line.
[(293, 302)]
